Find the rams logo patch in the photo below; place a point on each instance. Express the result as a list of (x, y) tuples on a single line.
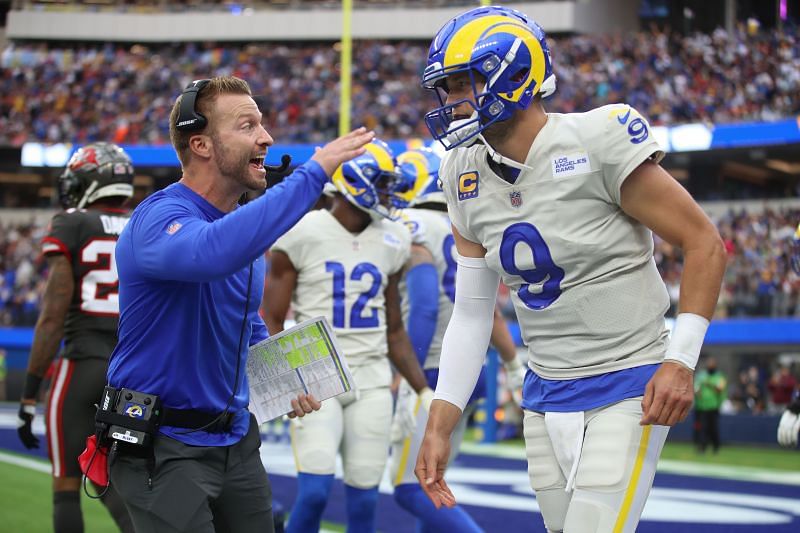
[(134, 410), (468, 185)]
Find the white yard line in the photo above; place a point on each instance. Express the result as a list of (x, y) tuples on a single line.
[(37, 465)]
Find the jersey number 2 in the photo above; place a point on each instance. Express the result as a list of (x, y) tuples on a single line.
[(544, 273), (100, 285), (357, 318)]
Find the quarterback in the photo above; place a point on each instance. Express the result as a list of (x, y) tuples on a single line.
[(562, 208), (345, 264)]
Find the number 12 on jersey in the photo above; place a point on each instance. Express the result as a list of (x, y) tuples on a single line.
[(357, 317)]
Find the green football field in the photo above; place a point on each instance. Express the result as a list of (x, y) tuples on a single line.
[(27, 506)]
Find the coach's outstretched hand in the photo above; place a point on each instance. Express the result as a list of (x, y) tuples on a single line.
[(342, 149), (668, 396)]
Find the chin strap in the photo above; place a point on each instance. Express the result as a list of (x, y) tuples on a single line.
[(501, 159)]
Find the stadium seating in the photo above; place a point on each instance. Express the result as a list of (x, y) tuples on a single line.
[(120, 92)]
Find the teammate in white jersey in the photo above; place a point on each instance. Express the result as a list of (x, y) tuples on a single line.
[(345, 264), (562, 208), (428, 289)]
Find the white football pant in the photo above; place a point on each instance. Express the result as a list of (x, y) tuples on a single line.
[(614, 474)]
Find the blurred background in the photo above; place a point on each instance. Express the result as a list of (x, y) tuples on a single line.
[(719, 81)]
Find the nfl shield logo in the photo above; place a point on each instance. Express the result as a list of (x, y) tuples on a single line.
[(516, 198)]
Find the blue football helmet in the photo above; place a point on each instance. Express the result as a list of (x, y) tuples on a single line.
[(369, 180), (509, 54), (796, 251), (419, 171)]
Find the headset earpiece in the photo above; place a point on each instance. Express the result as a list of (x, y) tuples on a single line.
[(188, 117)]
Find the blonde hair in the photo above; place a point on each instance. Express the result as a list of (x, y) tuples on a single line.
[(204, 104)]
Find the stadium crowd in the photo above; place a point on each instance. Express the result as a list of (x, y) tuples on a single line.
[(759, 280), (122, 93)]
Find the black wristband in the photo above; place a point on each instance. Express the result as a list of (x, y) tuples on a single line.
[(31, 387)]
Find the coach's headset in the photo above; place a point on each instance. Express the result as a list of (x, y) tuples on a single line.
[(190, 120)]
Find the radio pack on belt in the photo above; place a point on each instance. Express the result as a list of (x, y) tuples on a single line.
[(128, 416)]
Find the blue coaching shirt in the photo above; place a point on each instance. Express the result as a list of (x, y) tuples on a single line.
[(183, 269)]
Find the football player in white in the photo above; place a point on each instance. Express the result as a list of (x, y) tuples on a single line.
[(345, 263), (428, 289), (562, 207)]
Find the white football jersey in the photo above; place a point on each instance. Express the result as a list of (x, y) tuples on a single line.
[(343, 276), (431, 229), (583, 281)]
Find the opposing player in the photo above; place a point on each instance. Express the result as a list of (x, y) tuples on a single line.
[(789, 426), (345, 264), (562, 207), (428, 289), (80, 305)]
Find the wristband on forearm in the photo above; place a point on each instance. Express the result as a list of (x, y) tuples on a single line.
[(686, 340), (31, 387)]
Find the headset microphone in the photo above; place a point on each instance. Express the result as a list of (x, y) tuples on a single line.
[(286, 160)]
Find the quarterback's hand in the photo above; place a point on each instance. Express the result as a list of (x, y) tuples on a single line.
[(431, 463), (668, 396), (515, 377), (788, 428), (304, 404), (27, 411), (342, 149)]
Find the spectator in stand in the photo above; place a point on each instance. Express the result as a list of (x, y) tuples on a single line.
[(781, 388)]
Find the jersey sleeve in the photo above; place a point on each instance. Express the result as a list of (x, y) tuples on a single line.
[(63, 235), (623, 142), (448, 173), (170, 242)]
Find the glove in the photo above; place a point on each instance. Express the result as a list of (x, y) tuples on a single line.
[(426, 397), (25, 426), (404, 422), (789, 427), (515, 377)]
